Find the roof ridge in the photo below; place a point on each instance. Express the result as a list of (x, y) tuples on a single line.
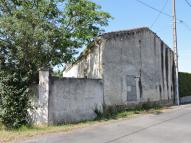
[(126, 31), (113, 34)]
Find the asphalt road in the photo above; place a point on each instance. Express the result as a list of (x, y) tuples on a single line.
[(172, 126)]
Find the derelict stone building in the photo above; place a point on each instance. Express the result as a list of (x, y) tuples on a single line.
[(134, 65), (118, 68)]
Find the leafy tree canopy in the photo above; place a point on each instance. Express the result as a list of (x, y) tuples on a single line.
[(38, 33), (35, 34)]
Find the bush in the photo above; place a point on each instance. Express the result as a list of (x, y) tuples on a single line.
[(15, 102), (184, 84)]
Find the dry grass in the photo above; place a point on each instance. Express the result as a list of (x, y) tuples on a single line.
[(24, 132)]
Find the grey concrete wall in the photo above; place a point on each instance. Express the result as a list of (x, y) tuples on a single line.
[(137, 67), (40, 101), (89, 65), (73, 100), (186, 99)]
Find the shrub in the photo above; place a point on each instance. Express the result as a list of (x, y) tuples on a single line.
[(184, 84), (15, 102)]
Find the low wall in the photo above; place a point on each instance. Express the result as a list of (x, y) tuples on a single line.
[(73, 100), (185, 99)]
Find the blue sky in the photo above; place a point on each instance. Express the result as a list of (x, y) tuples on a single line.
[(131, 14)]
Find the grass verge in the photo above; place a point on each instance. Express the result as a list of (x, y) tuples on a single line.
[(110, 113)]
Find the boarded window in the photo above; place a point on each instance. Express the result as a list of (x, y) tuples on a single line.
[(131, 88)]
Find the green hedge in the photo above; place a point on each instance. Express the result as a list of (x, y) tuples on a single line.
[(184, 84)]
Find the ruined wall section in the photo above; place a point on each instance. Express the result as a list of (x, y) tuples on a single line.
[(89, 65)]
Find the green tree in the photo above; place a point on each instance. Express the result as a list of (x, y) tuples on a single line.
[(44, 33), (36, 33)]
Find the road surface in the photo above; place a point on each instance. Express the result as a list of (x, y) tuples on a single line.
[(171, 126)]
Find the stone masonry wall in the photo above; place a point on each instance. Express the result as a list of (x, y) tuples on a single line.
[(137, 67)]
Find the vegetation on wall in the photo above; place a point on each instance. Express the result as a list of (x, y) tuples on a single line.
[(40, 33), (58, 73), (184, 84), (114, 112)]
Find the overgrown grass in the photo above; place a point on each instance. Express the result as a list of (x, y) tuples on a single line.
[(116, 112), (24, 132), (110, 113)]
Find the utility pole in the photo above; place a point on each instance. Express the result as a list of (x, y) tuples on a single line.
[(175, 50)]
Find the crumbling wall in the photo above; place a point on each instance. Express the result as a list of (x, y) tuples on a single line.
[(88, 65), (40, 99)]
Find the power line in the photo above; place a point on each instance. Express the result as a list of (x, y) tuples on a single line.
[(153, 8), (189, 4), (159, 14), (166, 14), (185, 25)]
